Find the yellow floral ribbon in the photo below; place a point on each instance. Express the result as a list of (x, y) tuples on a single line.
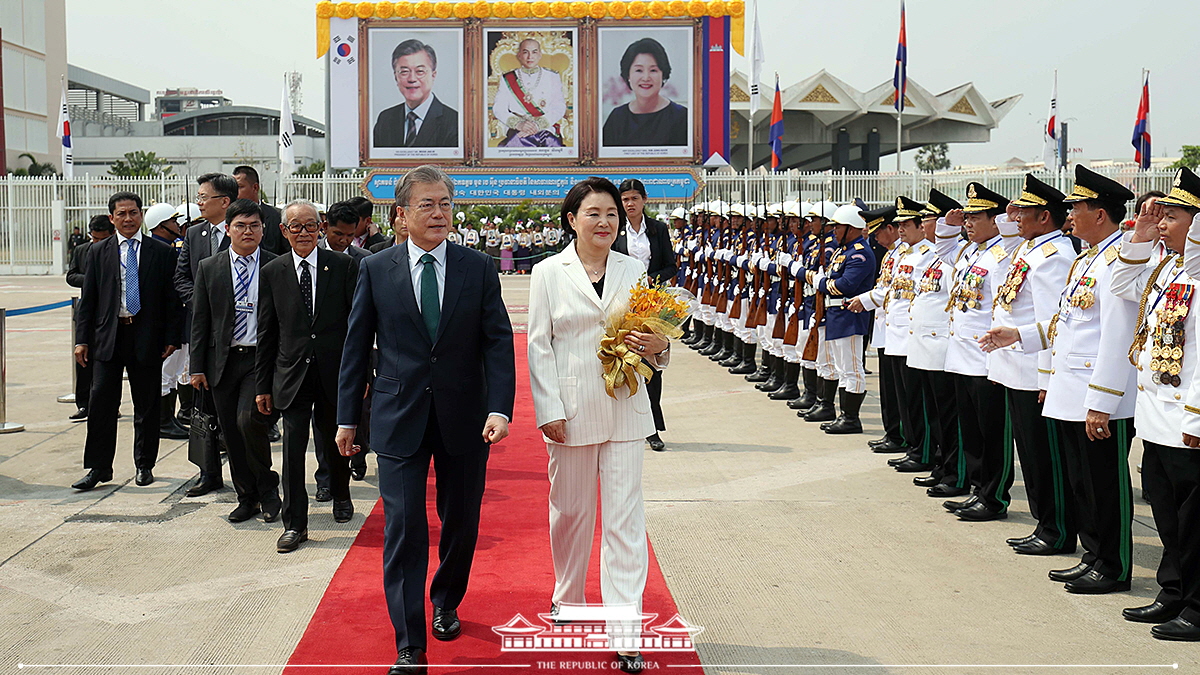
[(621, 364)]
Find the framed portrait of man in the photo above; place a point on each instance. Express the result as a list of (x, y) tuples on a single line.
[(645, 91), (530, 95), (414, 94)]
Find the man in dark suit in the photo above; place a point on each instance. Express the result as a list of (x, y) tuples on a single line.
[(445, 374), (273, 240), (366, 232), (214, 193), (129, 319), (422, 121), (100, 228), (647, 240), (224, 342), (306, 298)]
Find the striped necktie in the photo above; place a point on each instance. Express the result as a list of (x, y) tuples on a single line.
[(241, 293)]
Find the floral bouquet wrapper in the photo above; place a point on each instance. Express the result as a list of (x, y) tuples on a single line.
[(650, 308)]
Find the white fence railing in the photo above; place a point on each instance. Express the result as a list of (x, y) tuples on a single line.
[(37, 214)]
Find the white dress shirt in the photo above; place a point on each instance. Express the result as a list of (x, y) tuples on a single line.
[(637, 242), (416, 268), (123, 249), (251, 338), (312, 271)]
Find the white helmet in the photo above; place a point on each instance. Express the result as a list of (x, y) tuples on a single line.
[(848, 215), (157, 213), (793, 209), (719, 208), (679, 213), (760, 211), (320, 208), (824, 210), (737, 209), (775, 210), (805, 207), (187, 212)]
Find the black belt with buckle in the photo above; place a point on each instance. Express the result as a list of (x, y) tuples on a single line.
[(126, 319), (242, 349)]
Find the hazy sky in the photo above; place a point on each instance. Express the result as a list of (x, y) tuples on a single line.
[(1004, 46)]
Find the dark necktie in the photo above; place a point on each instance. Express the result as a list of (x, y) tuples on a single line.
[(410, 133), (431, 308), (306, 287)]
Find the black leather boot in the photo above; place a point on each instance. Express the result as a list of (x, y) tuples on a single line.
[(809, 397), (705, 336), (735, 355), (764, 370), (747, 364), (823, 411), (718, 341), (727, 346), (789, 390), (848, 422), (775, 380), (167, 426)]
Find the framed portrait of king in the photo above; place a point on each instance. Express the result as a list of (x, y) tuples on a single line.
[(530, 90), (414, 87)]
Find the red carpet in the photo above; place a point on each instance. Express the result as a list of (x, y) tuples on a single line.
[(512, 574)]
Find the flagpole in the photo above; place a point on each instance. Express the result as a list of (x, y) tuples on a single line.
[(901, 89)]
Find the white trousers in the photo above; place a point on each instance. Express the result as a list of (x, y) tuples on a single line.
[(175, 370), (847, 356), (705, 315), (575, 472), (747, 335), (795, 353)]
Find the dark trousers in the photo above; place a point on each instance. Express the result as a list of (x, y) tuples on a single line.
[(207, 456), (1098, 472), (986, 438), (1171, 476), (311, 406), (654, 390), (104, 403), (83, 385), (362, 437), (941, 409), (245, 430), (889, 383), (914, 415), (1042, 469), (402, 480)]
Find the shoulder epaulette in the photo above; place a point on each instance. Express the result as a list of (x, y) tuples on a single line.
[(998, 252), (924, 248), (1048, 249), (1111, 253)]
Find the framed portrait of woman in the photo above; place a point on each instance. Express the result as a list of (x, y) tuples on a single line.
[(645, 91), (531, 99)]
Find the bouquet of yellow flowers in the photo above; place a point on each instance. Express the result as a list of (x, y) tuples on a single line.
[(651, 308)]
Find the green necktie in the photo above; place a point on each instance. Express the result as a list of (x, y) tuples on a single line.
[(431, 308)]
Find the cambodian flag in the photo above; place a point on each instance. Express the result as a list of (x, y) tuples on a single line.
[(900, 79), (776, 128), (1141, 128)]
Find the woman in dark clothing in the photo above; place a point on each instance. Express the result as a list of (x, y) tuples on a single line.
[(650, 118)]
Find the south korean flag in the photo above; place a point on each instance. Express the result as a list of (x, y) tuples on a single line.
[(343, 92)]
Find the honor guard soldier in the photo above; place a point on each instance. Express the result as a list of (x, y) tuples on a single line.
[(1164, 350), (776, 240), (786, 250), (927, 346), (745, 250), (1026, 302), (978, 272), (1091, 387), (710, 236), (734, 247), (816, 247), (850, 273)]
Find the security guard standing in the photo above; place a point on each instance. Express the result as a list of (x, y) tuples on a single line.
[(1025, 302)]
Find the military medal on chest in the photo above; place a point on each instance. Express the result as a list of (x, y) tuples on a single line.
[(1084, 295), (968, 293), (1012, 285), (903, 285), (931, 279), (1166, 356)]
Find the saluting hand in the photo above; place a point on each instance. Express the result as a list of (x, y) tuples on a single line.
[(956, 217), (1145, 228)]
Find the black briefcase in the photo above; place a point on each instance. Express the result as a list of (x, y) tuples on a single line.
[(202, 435)]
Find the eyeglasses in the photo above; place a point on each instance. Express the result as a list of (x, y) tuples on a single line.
[(246, 227), (296, 228), (200, 199), (420, 73), (427, 206)]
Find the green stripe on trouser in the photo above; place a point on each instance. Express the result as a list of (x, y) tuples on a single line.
[(1126, 490), (962, 460), (925, 444), (1056, 469), (1008, 453)]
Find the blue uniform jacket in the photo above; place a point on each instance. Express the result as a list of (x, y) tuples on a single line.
[(851, 272)]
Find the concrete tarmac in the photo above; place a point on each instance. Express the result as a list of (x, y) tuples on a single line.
[(798, 552)]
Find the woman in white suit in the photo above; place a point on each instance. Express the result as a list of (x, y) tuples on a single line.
[(591, 438)]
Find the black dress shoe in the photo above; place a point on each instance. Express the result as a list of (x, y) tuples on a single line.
[(243, 513), (324, 494), (358, 472), (656, 443), (143, 477), (204, 486), (1155, 612), (1095, 583), (912, 466), (91, 480), (1016, 541), (445, 624), (273, 434), (926, 481), (877, 441), (1040, 547), (980, 512), (897, 461), (888, 447), (964, 504), (79, 416), (1071, 573), (631, 663), (343, 510), (943, 490), (409, 661), (290, 540), (271, 508), (1177, 629)]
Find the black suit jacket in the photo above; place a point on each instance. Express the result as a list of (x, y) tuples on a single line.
[(273, 239), (158, 324), (77, 268), (289, 343), (376, 238), (198, 244), (439, 129), (212, 314), (381, 246), (662, 257), (467, 372)]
